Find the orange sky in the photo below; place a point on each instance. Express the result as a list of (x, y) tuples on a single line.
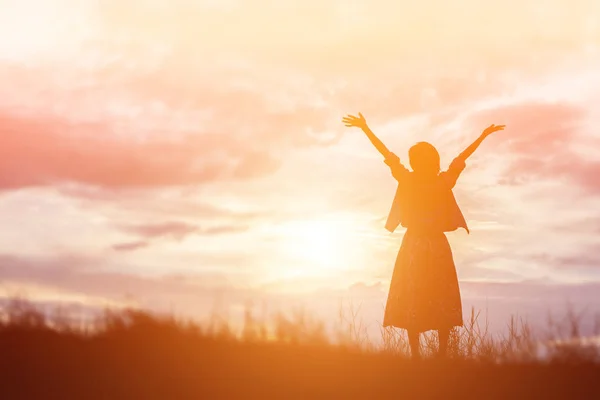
[(173, 153)]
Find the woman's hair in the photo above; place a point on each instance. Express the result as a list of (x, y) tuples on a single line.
[(424, 158)]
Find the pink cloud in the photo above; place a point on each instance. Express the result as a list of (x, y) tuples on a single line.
[(81, 276), (130, 246), (174, 230), (534, 127), (586, 258), (179, 230), (41, 152), (539, 142), (256, 164)]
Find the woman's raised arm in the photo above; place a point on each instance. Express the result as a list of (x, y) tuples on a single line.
[(360, 122), (473, 146), (398, 170)]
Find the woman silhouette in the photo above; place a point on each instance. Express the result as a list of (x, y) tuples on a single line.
[(424, 293)]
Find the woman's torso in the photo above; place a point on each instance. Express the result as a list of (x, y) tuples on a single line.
[(426, 204)]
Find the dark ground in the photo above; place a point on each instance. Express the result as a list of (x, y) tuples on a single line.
[(138, 364)]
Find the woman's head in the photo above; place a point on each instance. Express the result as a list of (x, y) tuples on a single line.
[(424, 158)]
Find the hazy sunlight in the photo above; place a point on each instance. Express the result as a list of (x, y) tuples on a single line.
[(317, 246), (191, 157)]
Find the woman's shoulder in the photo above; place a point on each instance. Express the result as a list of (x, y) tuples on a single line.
[(450, 176)]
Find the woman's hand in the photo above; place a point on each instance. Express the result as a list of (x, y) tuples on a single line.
[(360, 122), (488, 131), (351, 120), (492, 128)]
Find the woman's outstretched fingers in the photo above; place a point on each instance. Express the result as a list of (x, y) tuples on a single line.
[(493, 128), (350, 120)]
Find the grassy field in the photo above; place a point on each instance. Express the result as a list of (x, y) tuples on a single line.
[(135, 355)]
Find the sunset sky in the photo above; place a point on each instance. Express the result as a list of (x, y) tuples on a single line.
[(179, 154)]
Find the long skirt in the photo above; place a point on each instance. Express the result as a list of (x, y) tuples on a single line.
[(424, 293)]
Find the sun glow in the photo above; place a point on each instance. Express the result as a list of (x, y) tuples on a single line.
[(317, 247)]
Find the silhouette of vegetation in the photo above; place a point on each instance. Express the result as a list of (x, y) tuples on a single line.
[(133, 354)]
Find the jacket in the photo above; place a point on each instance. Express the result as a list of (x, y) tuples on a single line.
[(419, 205)]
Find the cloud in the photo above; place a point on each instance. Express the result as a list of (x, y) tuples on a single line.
[(44, 152), (534, 127), (542, 140), (551, 292), (179, 230), (175, 230), (179, 203), (84, 276), (130, 246), (223, 229), (255, 165), (584, 258)]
